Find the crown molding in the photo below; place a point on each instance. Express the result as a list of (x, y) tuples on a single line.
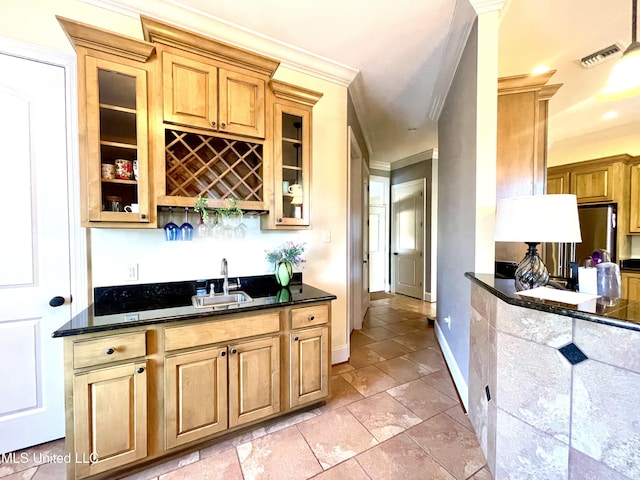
[(203, 23), (431, 154), (485, 6), (376, 165), (356, 90)]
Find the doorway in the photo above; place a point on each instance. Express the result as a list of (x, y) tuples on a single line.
[(378, 234), (38, 273), (407, 238)]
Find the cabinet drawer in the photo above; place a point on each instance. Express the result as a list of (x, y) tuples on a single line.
[(87, 353), (308, 316), (205, 333)]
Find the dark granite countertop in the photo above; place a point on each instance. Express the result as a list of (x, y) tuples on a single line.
[(145, 304), (624, 314)]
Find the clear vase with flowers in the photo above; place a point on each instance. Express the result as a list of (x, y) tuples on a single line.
[(284, 259)]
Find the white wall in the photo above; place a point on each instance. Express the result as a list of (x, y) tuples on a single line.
[(111, 251)]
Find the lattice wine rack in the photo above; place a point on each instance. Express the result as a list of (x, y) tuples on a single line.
[(218, 168)]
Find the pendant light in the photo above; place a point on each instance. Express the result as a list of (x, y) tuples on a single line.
[(624, 80)]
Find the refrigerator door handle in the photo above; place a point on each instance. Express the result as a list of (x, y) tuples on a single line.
[(614, 220)]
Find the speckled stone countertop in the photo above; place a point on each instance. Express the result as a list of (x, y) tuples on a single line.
[(623, 314), (127, 306)]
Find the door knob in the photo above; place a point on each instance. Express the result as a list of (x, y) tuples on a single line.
[(56, 301)]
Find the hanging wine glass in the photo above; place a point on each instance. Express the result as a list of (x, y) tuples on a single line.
[(171, 229), (240, 229), (186, 229)]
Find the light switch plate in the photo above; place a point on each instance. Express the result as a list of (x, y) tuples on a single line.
[(326, 236)]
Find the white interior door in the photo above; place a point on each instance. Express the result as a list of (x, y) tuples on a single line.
[(34, 251), (407, 210), (377, 250), (366, 299)]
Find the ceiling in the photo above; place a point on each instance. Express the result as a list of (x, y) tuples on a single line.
[(400, 58)]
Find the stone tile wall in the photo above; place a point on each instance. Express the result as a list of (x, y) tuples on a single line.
[(537, 415)]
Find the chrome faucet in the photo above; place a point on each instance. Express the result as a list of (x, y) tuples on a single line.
[(224, 270)]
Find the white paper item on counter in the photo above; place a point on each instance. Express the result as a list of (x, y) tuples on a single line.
[(588, 280), (562, 296)]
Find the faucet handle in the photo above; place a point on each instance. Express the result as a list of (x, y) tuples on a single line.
[(234, 285)]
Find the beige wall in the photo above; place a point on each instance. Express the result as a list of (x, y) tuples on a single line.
[(34, 21)]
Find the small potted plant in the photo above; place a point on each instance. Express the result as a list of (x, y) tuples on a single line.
[(284, 259)]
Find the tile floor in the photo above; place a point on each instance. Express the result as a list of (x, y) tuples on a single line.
[(394, 414)]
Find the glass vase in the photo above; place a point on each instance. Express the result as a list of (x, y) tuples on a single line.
[(284, 273)]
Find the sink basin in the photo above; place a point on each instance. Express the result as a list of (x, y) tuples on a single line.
[(220, 300)]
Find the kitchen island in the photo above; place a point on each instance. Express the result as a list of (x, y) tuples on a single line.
[(554, 388), (148, 375)]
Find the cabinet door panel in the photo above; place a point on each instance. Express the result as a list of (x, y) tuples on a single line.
[(110, 410), (242, 104), (196, 395), (591, 185), (309, 366), (634, 207), (190, 91), (254, 380)]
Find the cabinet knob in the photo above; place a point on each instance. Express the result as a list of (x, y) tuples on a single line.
[(223, 125), (312, 318), (110, 351), (223, 354), (213, 124), (233, 350), (143, 216), (140, 369), (56, 301), (295, 339), (279, 220)]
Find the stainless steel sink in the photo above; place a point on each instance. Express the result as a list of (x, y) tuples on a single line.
[(220, 300)]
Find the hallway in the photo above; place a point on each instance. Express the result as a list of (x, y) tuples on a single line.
[(393, 414)]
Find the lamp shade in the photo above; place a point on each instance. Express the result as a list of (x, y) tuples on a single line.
[(538, 219)]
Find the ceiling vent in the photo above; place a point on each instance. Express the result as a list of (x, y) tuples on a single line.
[(600, 56)]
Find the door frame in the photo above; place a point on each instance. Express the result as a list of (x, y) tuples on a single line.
[(385, 181), (394, 187), (77, 236)]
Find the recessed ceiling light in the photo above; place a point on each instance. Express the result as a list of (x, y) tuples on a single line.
[(539, 70), (609, 115), (412, 129)]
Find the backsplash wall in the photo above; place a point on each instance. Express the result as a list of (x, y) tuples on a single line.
[(112, 251)]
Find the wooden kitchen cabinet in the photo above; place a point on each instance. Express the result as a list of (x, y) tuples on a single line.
[(592, 185), (634, 199), (113, 126), (292, 157), (196, 395), (557, 184), (630, 286), (202, 94), (107, 421), (254, 380)]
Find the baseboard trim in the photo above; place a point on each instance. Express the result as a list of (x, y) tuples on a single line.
[(340, 354), (456, 374)]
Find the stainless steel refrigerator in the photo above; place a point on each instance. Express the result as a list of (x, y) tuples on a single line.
[(598, 226)]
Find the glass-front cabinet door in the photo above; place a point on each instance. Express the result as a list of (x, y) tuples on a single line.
[(117, 142), (292, 154)]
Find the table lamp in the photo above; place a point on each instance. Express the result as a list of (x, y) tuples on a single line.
[(536, 219)]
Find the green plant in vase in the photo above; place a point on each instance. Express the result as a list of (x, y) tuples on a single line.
[(201, 207), (284, 259)]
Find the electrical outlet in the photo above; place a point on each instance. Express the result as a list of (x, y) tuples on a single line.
[(447, 320), (132, 272)]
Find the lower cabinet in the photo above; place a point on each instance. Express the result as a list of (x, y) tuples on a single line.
[(309, 365), (630, 286), (110, 418), (195, 395)]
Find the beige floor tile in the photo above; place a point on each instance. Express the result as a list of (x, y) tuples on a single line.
[(457, 413), (401, 459), (26, 474), (422, 324), (51, 471), (165, 467), (401, 328), (224, 466), (341, 367), (442, 381), (283, 455), (342, 393), (378, 333), (363, 356), (482, 474), (430, 358), (374, 321), (349, 470), (31, 457), (358, 339), (388, 349), (415, 341), (233, 441), (402, 369), (369, 380), (383, 416), (336, 436), (290, 420), (422, 399), (451, 444)]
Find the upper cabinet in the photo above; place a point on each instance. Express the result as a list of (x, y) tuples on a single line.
[(292, 156), (113, 123)]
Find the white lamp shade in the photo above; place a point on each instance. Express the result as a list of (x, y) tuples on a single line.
[(538, 219)]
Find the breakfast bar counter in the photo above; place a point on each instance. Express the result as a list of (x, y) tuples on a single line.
[(553, 388)]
